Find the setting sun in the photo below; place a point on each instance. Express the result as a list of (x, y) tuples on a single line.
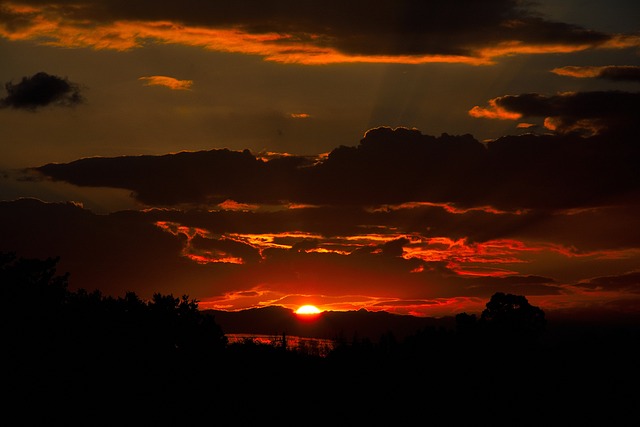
[(308, 309)]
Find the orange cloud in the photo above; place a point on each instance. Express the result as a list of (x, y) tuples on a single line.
[(588, 113), (232, 205), (589, 126), (526, 125), (292, 38), (461, 257), (448, 207), (580, 72), (611, 72), (170, 82), (493, 111), (126, 35)]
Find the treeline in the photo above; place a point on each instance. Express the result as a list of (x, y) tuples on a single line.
[(88, 359), (41, 312)]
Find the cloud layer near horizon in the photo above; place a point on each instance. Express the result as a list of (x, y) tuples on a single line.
[(404, 222), (235, 260), (408, 31)]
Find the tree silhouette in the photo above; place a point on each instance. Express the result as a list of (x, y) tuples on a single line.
[(29, 280), (466, 324), (511, 317), (39, 310)]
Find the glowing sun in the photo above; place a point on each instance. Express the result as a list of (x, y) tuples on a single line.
[(308, 309)]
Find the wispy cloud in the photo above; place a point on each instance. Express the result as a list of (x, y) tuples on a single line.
[(610, 72), (170, 82)]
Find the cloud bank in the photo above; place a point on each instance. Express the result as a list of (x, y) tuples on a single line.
[(390, 166), (409, 31), (403, 221)]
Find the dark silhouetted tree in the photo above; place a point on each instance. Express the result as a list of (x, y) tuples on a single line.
[(511, 317), (466, 324), (31, 281)]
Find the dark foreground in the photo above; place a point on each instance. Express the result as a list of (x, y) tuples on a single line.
[(82, 359), (437, 379)]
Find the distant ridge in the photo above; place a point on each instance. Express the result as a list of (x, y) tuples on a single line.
[(344, 325)]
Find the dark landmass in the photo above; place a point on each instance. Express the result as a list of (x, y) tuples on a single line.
[(332, 325), (346, 326)]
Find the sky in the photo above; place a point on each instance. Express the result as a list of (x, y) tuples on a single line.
[(408, 156)]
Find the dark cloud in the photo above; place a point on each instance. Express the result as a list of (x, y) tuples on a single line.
[(41, 90), (187, 177), (393, 166), (610, 228), (409, 27), (629, 73), (394, 247), (214, 250), (128, 251), (628, 282), (621, 73), (114, 253), (585, 112)]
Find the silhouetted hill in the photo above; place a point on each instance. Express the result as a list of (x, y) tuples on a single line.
[(344, 325)]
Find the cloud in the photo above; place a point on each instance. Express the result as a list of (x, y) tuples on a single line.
[(41, 90), (201, 254), (396, 166), (524, 125), (204, 249), (291, 31), (169, 82), (610, 72), (627, 282), (494, 111), (585, 112)]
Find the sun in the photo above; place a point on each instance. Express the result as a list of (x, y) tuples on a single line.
[(308, 309)]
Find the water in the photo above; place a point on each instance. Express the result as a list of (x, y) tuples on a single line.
[(311, 346)]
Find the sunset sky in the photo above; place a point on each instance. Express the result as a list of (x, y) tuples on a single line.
[(408, 156)]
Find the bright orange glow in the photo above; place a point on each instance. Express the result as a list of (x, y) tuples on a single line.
[(300, 115), (524, 125), (308, 309), (450, 208), (494, 111), (579, 72), (232, 205), (169, 82)]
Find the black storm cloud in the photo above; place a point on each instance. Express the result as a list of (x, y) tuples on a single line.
[(41, 90)]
